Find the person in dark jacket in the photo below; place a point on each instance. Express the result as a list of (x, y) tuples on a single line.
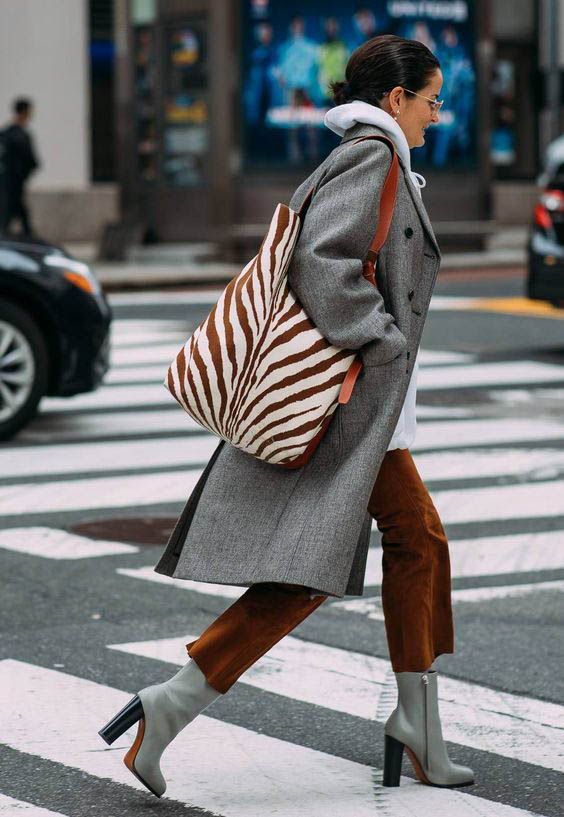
[(18, 160)]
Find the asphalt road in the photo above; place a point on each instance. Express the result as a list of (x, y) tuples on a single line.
[(90, 490)]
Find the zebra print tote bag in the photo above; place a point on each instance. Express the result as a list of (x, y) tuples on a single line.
[(257, 372)]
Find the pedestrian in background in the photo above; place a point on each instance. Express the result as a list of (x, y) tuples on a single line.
[(18, 160), (296, 537)]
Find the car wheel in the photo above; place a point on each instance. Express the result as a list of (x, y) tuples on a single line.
[(24, 363)]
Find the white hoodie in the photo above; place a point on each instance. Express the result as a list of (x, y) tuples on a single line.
[(339, 119)]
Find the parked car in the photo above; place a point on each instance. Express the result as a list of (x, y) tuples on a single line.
[(54, 329), (545, 248)]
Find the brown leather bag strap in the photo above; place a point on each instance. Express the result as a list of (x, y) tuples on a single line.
[(387, 201)]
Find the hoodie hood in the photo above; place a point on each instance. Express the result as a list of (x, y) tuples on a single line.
[(342, 117)]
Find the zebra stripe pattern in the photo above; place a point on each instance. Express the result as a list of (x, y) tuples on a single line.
[(256, 371)]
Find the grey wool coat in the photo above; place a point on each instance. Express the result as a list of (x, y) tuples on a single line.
[(248, 521)]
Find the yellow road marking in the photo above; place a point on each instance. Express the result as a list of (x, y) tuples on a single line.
[(517, 306)]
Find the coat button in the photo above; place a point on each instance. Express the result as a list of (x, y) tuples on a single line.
[(410, 294), (408, 232)]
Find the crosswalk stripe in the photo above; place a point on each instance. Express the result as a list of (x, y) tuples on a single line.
[(10, 807), (132, 344), (97, 492), (448, 303), (257, 773), (430, 435), (210, 296), (532, 500), (342, 680), (544, 499), (125, 337), (488, 374), (483, 556), (536, 463), (462, 433), (147, 573), (73, 426), (141, 355), (123, 375), (193, 296), (187, 450), (127, 326), (371, 606), (532, 395), (51, 543), (491, 555), (476, 594), (437, 357), (128, 396), (196, 449)]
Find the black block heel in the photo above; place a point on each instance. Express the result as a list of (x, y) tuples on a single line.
[(393, 754), (126, 717)]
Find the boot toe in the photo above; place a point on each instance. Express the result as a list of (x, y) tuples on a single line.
[(150, 775), (462, 775)]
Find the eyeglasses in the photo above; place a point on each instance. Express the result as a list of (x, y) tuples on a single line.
[(435, 103)]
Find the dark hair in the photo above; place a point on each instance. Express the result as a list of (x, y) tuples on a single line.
[(22, 105), (380, 64)]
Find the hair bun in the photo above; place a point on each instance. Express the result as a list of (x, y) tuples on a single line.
[(341, 91)]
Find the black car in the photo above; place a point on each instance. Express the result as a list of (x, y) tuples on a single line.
[(545, 281), (54, 329)]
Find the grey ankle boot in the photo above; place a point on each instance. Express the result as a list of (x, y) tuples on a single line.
[(162, 711), (415, 725)]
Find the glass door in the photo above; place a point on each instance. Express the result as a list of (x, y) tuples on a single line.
[(186, 105)]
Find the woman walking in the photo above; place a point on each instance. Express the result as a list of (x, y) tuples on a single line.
[(296, 537)]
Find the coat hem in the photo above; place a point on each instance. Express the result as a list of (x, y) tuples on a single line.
[(290, 578)]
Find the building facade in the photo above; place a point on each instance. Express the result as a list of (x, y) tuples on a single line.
[(194, 118)]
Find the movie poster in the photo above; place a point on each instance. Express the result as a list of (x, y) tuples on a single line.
[(293, 49)]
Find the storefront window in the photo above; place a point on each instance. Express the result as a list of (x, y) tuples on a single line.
[(145, 102), (292, 50), (186, 105)]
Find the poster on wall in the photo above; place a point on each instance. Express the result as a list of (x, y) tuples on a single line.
[(293, 49)]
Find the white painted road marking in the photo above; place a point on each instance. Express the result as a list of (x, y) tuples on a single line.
[(97, 492), (147, 394), (529, 501), (69, 426), (10, 807), (509, 725), (488, 374), (537, 500), (534, 463), (51, 543), (186, 450), (371, 606), (480, 433), (483, 556), (196, 449), (492, 555), (259, 774), (207, 588)]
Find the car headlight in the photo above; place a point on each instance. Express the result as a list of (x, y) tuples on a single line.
[(76, 272)]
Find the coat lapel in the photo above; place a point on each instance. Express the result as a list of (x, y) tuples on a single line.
[(362, 129)]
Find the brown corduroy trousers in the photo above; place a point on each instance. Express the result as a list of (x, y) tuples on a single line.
[(416, 596)]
